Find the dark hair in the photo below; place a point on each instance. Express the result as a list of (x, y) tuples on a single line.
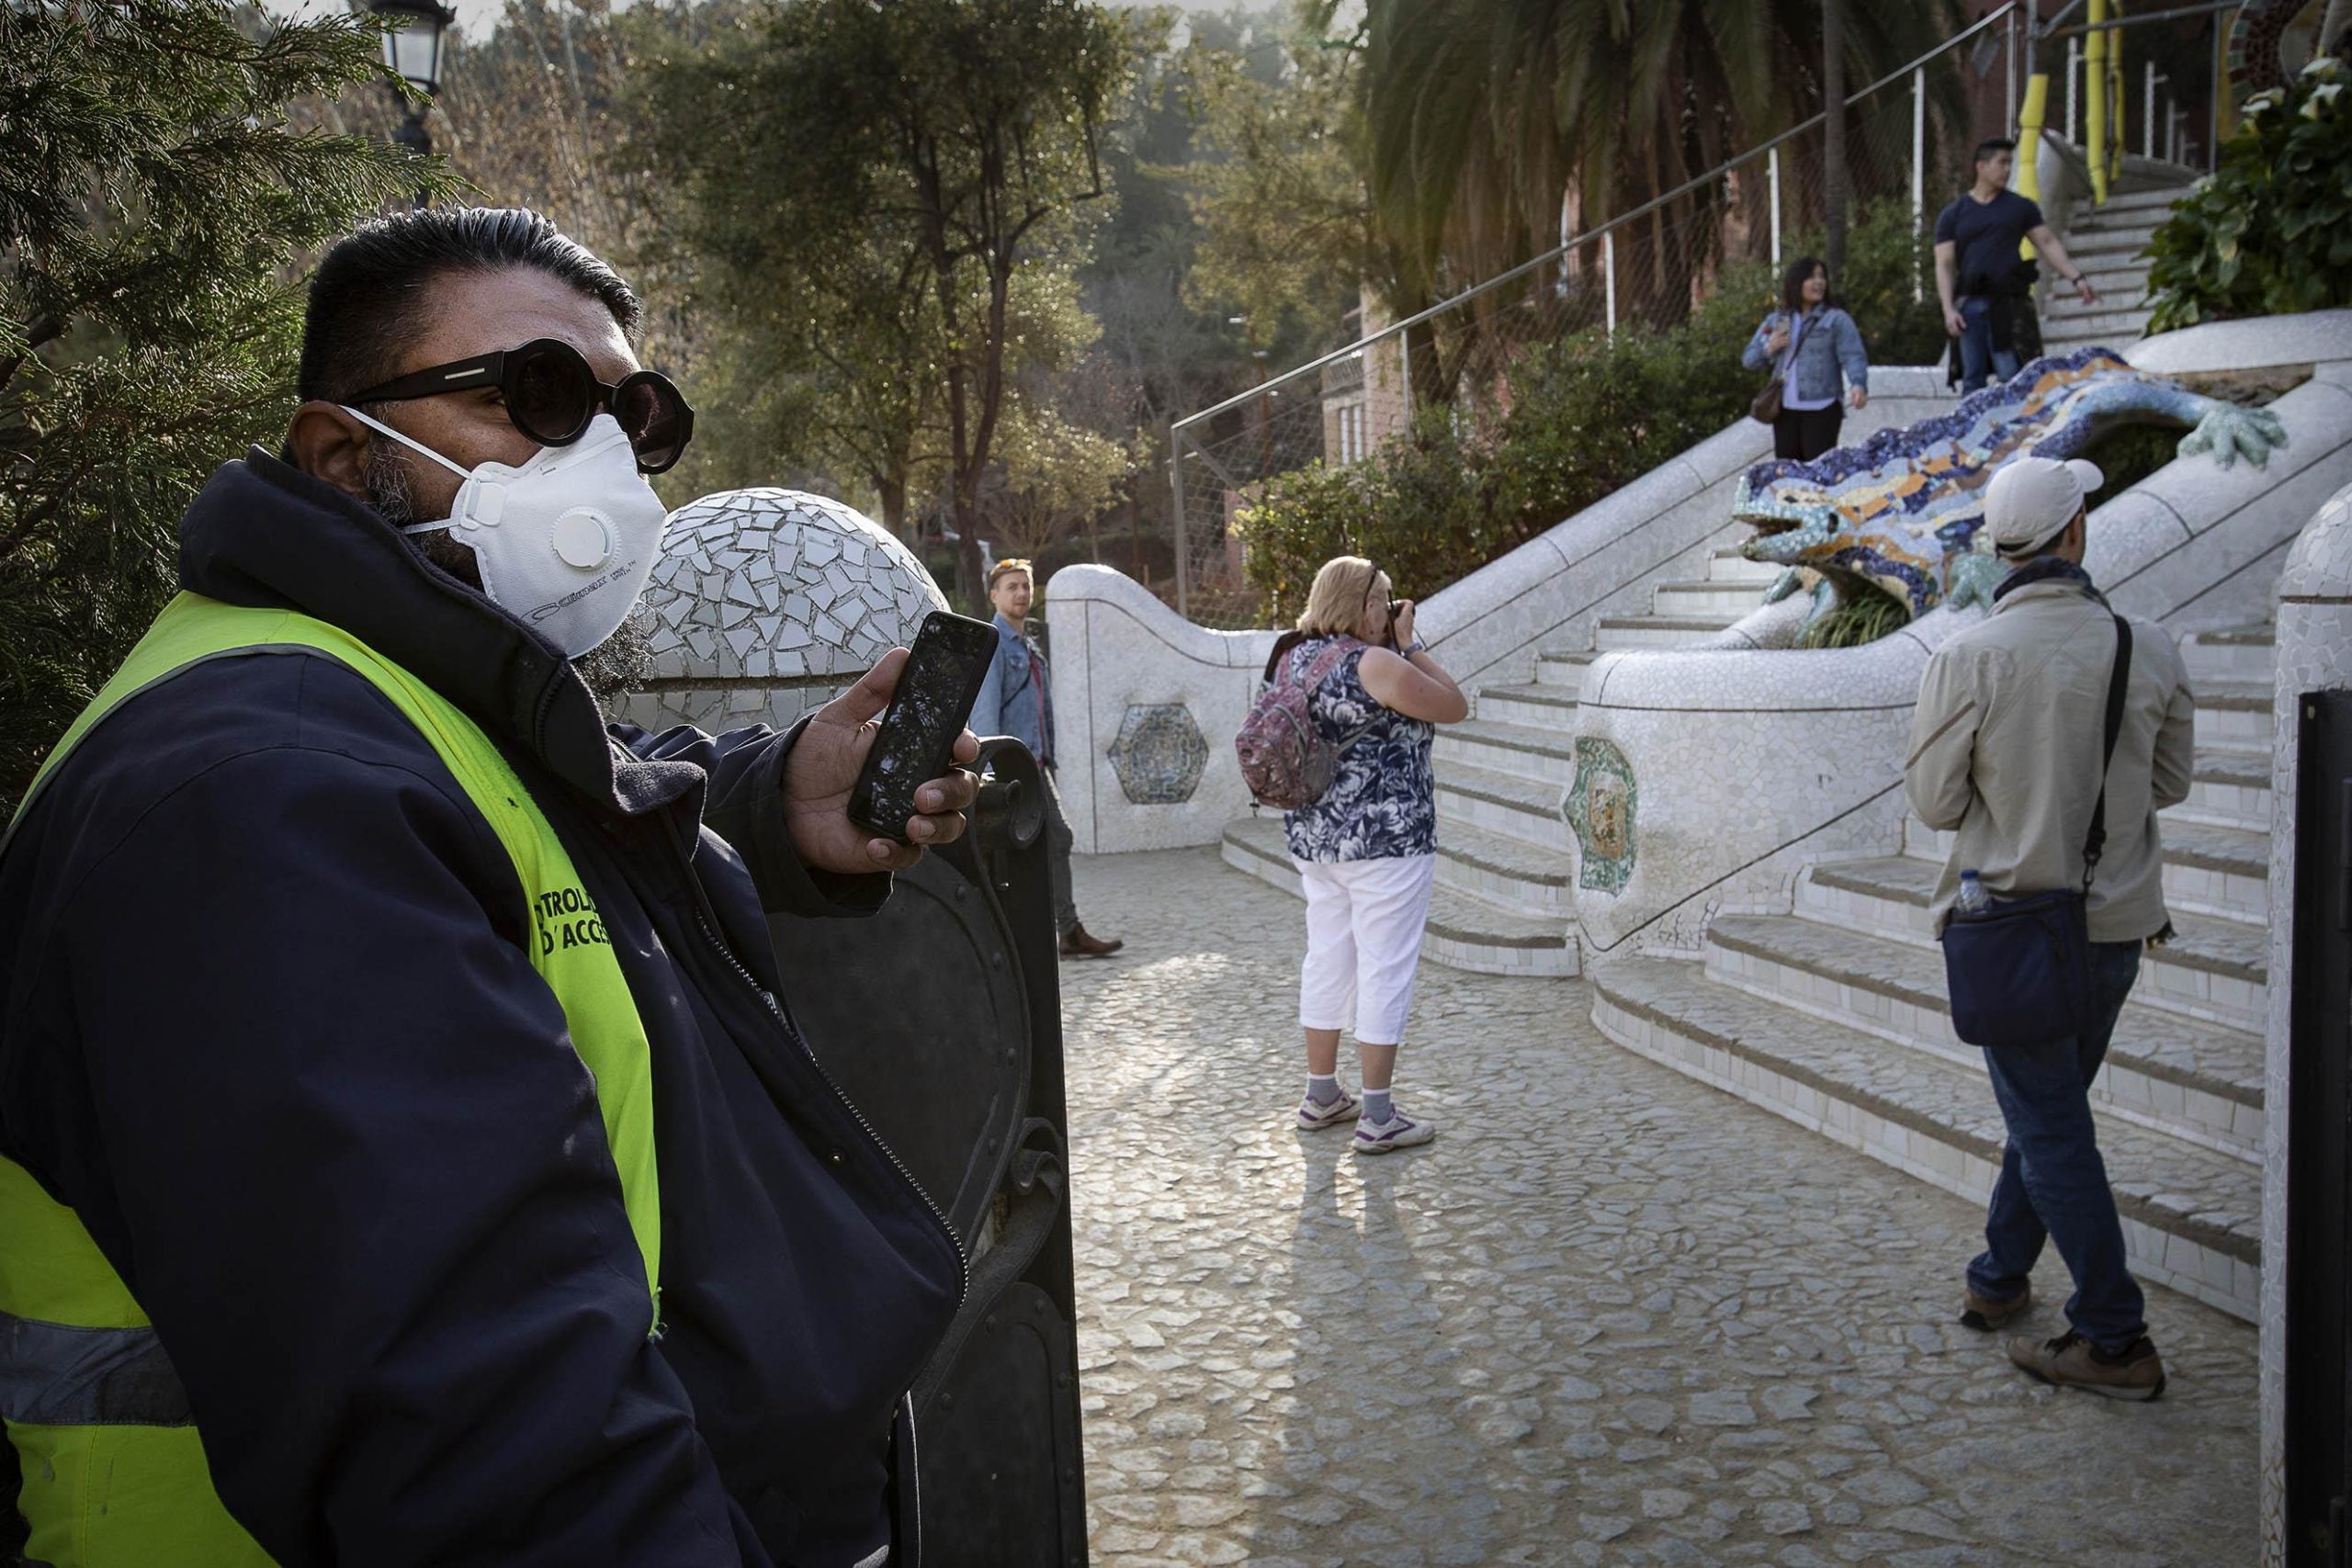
[(1793, 280), (367, 296), (1989, 146)]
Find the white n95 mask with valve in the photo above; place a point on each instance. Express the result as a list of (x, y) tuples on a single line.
[(565, 542)]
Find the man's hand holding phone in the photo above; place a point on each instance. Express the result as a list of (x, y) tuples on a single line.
[(824, 768)]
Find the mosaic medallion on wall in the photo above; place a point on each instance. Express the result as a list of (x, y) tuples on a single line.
[(1160, 754), (1600, 811)]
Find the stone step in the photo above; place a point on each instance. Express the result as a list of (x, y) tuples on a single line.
[(2116, 343), (1656, 631), (1564, 668), (1730, 566), (2191, 1216), (2235, 653), (2098, 241), (2234, 712), (2119, 283), (1705, 600), (2216, 869), (1529, 751), (1540, 706), (2158, 201), (1465, 932), (2100, 324), (1521, 809), (2185, 1077), (2229, 788), (1508, 872), (2212, 970)]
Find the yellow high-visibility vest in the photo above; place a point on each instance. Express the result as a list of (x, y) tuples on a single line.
[(113, 1475)]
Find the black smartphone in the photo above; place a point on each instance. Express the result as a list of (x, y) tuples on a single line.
[(917, 743)]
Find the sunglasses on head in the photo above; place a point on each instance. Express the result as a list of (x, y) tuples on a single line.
[(552, 394)]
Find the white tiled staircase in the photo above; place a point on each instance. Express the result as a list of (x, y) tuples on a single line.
[(1836, 1015), (2106, 243)]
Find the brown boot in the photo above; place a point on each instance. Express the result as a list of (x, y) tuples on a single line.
[(1986, 1313), (2071, 1361), (1078, 944)]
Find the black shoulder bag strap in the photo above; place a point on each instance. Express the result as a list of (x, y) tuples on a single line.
[(2117, 681)]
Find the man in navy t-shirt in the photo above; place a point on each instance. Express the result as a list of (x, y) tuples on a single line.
[(1979, 274)]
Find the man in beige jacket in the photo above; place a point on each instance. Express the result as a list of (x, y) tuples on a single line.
[(2006, 750)]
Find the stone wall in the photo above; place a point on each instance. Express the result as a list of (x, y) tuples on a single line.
[(1117, 647), (1145, 704), (2315, 635), (1744, 766)]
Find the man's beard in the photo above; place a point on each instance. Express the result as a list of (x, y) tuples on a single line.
[(393, 495), (615, 666), (620, 664)]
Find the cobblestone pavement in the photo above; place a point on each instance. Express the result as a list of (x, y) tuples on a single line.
[(1610, 1315)]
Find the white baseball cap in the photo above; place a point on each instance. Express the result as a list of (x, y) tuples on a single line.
[(2029, 500)]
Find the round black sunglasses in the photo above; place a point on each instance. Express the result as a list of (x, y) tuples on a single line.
[(552, 393)]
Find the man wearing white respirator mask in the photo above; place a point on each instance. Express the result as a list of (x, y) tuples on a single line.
[(406, 1153)]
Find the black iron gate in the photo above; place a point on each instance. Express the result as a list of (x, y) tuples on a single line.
[(2319, 1178), (941, 1017)]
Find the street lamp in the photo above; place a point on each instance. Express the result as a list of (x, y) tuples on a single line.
[(412, 50)]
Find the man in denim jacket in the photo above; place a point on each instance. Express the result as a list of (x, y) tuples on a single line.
[(1017, 700)]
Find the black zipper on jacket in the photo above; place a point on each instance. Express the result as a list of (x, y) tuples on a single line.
[(708, 924)]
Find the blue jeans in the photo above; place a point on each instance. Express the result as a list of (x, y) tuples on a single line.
[(2052, 1183), (1979, 360)]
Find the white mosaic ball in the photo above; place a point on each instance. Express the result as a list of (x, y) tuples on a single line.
[(767, 584)]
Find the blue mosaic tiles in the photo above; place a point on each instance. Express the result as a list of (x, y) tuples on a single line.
[(1160, 754)]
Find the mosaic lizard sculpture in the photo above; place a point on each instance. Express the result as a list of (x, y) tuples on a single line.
[(1901, 510)]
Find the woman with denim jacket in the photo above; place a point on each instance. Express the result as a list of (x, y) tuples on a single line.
[(1816, 350)]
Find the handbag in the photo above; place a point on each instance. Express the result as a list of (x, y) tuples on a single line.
[(2019, 973), (1765, 407)]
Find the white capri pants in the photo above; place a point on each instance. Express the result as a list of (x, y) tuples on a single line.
[(1363, 942)]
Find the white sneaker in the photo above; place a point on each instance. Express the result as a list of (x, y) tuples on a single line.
[(1398, 1131), (1314, 1117)]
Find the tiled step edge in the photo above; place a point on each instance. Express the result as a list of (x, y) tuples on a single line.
[(1464, 932), (2179, 1076), (2191, 1219), (2213, 968)]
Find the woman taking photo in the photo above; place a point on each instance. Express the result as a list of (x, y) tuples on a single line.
[(1816, 350), (1367, 850)]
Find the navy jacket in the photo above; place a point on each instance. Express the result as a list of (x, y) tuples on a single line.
[(268, 1025)]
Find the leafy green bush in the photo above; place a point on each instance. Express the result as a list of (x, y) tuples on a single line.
[(2270, 231), (1870, 615), (1585, 415), (158, 190)]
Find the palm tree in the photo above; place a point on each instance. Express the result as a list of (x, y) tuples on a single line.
[(1488, 119)]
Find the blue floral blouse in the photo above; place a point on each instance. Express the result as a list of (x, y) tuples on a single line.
[(1382, 802)]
